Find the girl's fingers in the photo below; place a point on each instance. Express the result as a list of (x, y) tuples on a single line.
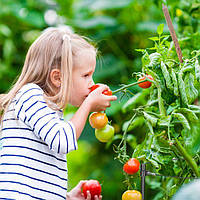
[(97, 198), (101, 88), (80, 184), (88, 195), (111, 98)]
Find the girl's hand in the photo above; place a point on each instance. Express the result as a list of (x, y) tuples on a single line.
[(76, 194), (99, 101)]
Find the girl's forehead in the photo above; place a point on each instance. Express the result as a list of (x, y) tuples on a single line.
[(85, 58)]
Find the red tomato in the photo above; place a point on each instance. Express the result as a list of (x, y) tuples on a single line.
[(94, 87), (145, 84), (93, 186), (106, 92), (131, 166), (98, 120), (132, 195)]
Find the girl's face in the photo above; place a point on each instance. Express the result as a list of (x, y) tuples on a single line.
[(82, 80)]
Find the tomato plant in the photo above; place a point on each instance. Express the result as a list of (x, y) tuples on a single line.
[(145, 84), (105, 134), (131, 166), (131, 195), (168, 113), (98, 120), (105, 92), (93, 186)]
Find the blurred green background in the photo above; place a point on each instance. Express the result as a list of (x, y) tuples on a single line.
[(118, 27)]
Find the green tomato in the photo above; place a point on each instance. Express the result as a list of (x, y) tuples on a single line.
[(105, 134)]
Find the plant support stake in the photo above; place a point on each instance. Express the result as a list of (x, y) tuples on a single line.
[(172, 32)]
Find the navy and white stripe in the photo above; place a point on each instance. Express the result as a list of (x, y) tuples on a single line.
[(35, 140)]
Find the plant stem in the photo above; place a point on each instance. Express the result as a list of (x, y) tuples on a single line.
[(130, 85), (124, 138), (187, 157)]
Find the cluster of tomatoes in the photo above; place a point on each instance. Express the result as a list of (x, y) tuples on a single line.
[(103, 131), (130, 167)]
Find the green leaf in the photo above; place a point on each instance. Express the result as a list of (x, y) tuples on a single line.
[(191, 91), (164, 121), (160, 29), (136, 100), (191, 116), (140, 50), (180, 118), (197, 70), (5, 30), (182, 90), (145, 59), (175, 83), (166, 76), (137, 122), (8, 48), (154, 38), (154, 59)]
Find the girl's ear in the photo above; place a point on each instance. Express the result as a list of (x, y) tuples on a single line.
[(55, 77)]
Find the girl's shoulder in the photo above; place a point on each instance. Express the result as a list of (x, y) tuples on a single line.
[(29, 89), (30, 86)]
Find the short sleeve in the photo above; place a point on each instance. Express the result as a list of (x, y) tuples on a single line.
[(32, 109)]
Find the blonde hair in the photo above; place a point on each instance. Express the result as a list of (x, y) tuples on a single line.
[(54, 48)]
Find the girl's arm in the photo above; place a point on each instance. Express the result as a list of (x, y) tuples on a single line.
[(80, 117)]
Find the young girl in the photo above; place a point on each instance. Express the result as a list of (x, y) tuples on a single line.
[(35, 140)]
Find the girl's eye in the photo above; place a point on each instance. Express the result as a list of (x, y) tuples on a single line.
[(86, 75)]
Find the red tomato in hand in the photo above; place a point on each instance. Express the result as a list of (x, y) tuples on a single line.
[(93, 186), (132, 195), (94, 87), (131, 166), (145, 84), (105, 92), (98, 120)]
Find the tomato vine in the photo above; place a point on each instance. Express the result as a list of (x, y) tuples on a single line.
[(169, 114)]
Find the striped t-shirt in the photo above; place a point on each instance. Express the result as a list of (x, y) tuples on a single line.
[(35, 140)]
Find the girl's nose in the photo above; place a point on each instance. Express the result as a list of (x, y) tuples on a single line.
[(91, 83)]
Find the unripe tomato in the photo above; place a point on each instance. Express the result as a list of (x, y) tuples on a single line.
[(98, 120), (105, 134), (131, 166), (105, 92), (132, 195), (93, 186), (145, 84)]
